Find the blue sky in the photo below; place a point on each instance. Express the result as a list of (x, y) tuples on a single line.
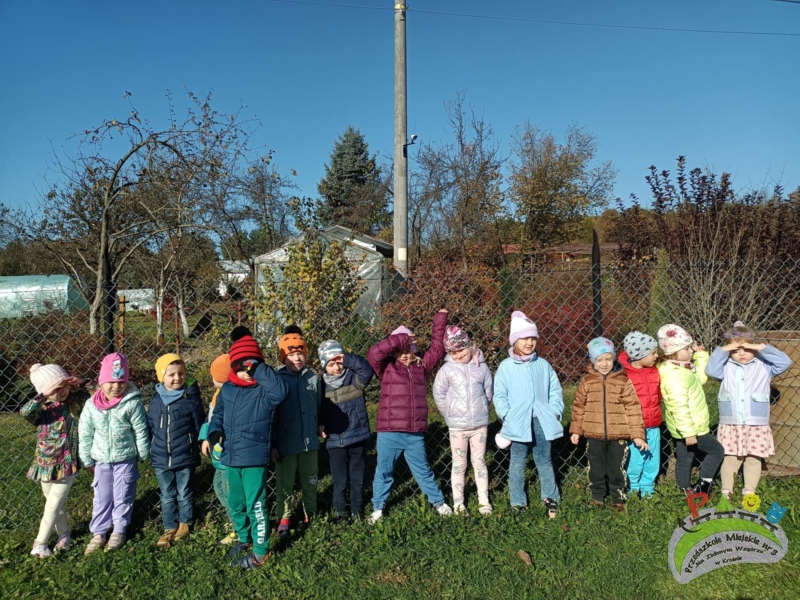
[(307, 71)]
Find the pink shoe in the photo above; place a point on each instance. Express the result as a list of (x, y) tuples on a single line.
[(64, 542)]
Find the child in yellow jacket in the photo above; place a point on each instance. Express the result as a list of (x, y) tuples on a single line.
[(685, 409)]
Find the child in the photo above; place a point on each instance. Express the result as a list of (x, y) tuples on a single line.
[(297, 429), (55, 409), (607, 412), (346, 424), (639, 360), (403, 412), (112, 435), (242, 423), (685, 410), (529, 401), (220, 371), (745, 369), (175, 416), (463, 390)]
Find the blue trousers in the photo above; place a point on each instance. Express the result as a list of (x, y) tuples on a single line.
[(544, 467), (643, 466), (390, 446), (177, 496)]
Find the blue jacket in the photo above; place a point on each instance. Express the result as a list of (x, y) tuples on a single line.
[(175, 428), (297, 420), (344, 412), (245, 415), (523, 390)]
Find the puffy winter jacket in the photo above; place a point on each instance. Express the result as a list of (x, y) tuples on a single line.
[(606, 407), (744, 396), (648, 389), (523, 390), (297, 419), (175, 429), (114, 435), (463, 392), (404, 390), (245, 415), (344, 411), (685, 408)]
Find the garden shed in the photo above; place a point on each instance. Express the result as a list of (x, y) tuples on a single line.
[(30, 295), (368, 252)]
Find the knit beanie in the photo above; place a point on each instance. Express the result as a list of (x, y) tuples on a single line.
[(221, 368), (327, 350), (162, 363), (243, 348), (292, 342), (114, 368), (599, 346), (521, 327), (456, 339), (638, 345), (46, 379), (672, 338), (407, 331)]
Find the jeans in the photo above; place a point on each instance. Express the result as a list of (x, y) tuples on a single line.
[(607, 476), (714, 455), (347, 468), (177, 496), (412, 445), (643, 465), (544, 467)]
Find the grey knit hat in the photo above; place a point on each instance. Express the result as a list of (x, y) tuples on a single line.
[(638, 345), (327, 350)]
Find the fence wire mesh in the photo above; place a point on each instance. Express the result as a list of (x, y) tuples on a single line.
[(43, 320)]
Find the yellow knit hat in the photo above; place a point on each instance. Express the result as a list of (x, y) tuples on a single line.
[(162, 363)]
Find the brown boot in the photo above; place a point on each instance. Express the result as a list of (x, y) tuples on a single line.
[(166, 538), (619, 507), (183, 532)]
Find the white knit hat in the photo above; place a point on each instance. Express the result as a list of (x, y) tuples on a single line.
[(521, 327), (672, 338), (47, 378)]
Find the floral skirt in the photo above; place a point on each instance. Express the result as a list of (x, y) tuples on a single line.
[(746, 440)]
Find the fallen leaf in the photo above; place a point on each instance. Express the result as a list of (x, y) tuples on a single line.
[(565, 528), (525, 557)]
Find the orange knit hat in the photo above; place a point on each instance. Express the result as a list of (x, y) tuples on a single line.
[(292, 342), (221, 368)]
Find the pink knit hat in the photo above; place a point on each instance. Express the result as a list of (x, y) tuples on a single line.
[(521, 327), (456, 339), (113, 368), (407, 331), (48, 378)]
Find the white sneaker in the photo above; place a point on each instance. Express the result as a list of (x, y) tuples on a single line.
[(375, 517), (444, 510), (485, 508), (460, 509), (41, 550)]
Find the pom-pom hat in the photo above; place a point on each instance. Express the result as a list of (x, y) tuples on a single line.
[(244, 348), (46, 379), (521, 327)]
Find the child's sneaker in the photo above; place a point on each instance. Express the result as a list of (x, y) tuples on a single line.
[(97, 541), (618, 506), (375, 516), (551, 506), (64, 541), (229, 539), (115, 542), (40, 550), (249, 561), (460, 509), (485, 508), (283, 529), (238, 548), (444, 510)]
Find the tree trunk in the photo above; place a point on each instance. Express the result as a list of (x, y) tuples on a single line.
[(159, 312), (182, 312)]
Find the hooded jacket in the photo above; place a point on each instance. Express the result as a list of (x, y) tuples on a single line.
[(114, 435), (404, 390), (175, 429), (297, 419), (647, 383), (685, 407), (463, 392), (344, 411), (606, 407)]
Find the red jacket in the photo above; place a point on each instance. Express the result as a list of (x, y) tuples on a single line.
[(404, 390), (648, 388)]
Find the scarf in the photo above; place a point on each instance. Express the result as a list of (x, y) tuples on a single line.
[(686, 364), (520, 358), (236, 380), (334, 381), (170, 396), (102, 403)]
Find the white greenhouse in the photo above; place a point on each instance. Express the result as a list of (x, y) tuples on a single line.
[(31, 295)]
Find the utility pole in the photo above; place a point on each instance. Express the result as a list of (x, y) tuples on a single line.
[(400, 142)]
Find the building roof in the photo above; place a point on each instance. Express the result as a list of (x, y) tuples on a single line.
[(35, 283), (338, 232)]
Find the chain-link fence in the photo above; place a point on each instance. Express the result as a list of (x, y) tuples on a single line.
[(45, 320)]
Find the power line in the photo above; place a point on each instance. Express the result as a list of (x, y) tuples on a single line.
[(548, 22)]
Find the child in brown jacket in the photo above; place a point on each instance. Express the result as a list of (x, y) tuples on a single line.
[(607, 412)]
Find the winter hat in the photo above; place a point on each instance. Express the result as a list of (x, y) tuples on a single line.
[(456, 339), (672, 338), (638, 345), (292, 342), (243, 348), (221, 368), (599, 346), (114, 368), (327, 350), (521, 327), (48, 378), (407, 331), (163, 362)]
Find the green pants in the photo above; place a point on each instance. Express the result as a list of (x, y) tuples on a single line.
[(247, 498), (306, 464)]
